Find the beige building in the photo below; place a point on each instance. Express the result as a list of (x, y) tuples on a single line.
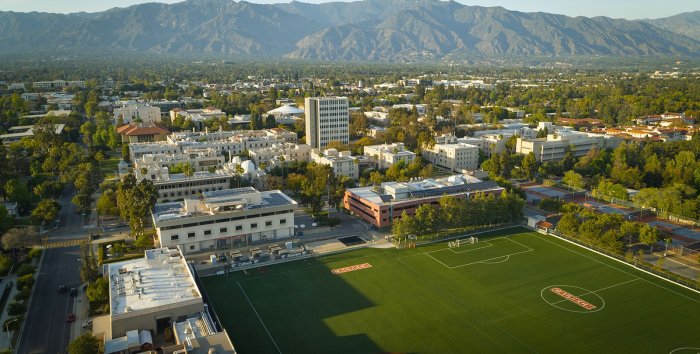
[(554, 146), (454, 156), (388, 154), (199, 159), (178, 186), (273, 154), (342, 163), (131, 112)]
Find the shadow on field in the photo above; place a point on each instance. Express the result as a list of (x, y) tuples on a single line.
[(290, 308)]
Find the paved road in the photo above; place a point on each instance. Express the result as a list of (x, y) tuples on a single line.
[(46, 330), (69, 218)]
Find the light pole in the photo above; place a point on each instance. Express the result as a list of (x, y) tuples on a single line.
[(7, 324), (328, 189)]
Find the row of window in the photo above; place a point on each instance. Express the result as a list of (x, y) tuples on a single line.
[(224, 230), (223, 181), (224, 220)]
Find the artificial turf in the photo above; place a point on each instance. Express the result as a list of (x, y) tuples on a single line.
[(494, 296)]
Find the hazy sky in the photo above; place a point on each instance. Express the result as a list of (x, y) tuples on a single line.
[(630, 9)]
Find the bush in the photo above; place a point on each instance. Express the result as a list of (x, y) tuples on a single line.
[(34, 253), (25, 269), (124, 258), (5, 264), (550, 204), (25, 281), (16, 308), (144, 242), (333, 221), (98, 291), (12, 323), (23, 295)]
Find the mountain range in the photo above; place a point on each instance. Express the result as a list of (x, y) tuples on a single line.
[(369, 30)]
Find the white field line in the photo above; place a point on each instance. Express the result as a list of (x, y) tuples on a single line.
[(256, 314), (489, 259), (598, 290), (527, 249), (437, 260), (627, 264), (470, 249)]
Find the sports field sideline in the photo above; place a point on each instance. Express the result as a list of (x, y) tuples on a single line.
[(512, 291)]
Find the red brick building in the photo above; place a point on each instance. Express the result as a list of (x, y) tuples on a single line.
[(380, 205)]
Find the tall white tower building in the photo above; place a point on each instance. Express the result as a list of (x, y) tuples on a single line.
[(327, 119)]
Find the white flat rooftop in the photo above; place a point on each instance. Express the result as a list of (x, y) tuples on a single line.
[(162, 277)]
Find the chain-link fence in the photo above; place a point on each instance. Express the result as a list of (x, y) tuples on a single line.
[(658, 271)]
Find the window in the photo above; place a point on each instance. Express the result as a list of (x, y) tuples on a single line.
[(223, 230), (239, 227), (254, 225), (191, 247), (207, 232), (268, 223), (174, 237), (190, 234), (283, 221)]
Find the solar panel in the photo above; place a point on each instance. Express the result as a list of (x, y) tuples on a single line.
[(462, 188), (386, 198)]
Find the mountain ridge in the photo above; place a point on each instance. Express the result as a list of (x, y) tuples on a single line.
[(369, 30)]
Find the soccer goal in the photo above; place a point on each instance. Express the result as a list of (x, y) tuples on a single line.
[(456, 243)]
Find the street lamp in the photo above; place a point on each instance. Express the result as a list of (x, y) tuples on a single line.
[(7, 324)]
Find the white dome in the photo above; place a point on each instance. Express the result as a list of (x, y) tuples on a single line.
[(248, 166)]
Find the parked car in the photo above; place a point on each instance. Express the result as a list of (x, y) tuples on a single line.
[(73, 292), (70, 318), (62, 289)]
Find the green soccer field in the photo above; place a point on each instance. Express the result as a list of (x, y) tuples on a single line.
[(515, 291)]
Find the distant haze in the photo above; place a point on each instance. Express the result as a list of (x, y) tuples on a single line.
[(629, 9)]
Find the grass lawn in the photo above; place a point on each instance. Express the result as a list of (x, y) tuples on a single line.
[(514, 291)]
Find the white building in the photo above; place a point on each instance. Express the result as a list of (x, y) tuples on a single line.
[(16, 86), (554, 146), (453, 155), (177, 186), (147, 297), (132, 112), (342, 163), (224, 218), (200, 160), (271, 155), (57, 84), (327, 119), (224, 142), (388, 154)]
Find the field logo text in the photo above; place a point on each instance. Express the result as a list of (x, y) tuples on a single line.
[(351, 268), (573, 298)]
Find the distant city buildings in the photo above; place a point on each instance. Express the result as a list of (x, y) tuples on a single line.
[(327, 119)]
